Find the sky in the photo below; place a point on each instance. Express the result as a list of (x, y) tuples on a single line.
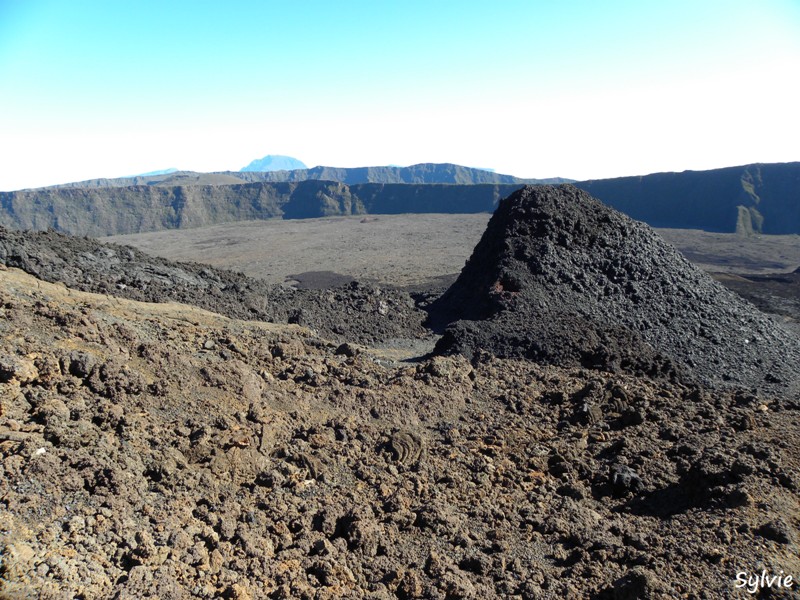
[(575, 88)]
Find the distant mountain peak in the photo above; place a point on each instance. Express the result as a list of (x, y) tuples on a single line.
[(274, 162)]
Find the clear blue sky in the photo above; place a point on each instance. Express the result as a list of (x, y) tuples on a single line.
[(574, 88)]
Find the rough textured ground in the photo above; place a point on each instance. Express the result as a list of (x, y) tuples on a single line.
[(355, 312), (161, 451), (560, 278)]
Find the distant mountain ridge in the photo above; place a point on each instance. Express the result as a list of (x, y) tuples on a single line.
[(756, 198), (134, 209), (422, 173)]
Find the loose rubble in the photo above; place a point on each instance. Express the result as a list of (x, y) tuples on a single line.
[(138, 460)]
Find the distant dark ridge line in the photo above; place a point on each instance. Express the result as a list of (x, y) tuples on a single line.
[(415, 174), (422, 173), (751, 199), (136, 209), (747, 199)]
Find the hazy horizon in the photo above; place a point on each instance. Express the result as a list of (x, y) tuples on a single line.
[(577, 90)]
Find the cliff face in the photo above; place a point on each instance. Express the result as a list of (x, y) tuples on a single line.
[(453, 199), (98, 212), (760, 198), (750, 199), (135, 209)]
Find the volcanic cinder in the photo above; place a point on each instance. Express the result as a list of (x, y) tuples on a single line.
[(560, 278)]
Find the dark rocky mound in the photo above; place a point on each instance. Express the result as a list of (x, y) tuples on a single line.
[(354, 312), (560, 278)]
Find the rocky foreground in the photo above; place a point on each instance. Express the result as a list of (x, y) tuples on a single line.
[(162, 450), (158, 450)]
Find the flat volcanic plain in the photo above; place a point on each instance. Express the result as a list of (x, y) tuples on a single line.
[(410, 249)]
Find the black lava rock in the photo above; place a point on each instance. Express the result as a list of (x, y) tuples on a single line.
[(354, 312), (625, 480), (560, 278)]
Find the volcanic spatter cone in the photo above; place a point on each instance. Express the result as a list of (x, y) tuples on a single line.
[(560, 278)]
